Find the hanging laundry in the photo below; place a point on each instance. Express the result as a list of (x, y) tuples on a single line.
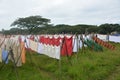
[(32, 37), (40, 48), (17, 54), (27, 43), (41, 39), (57, 41), (5, 56), (67, 47), (46, 40), (115, 39), (80, 41), (63, 47), (75, 43), (57, 47), (57, 52), (22, 38), (49, 46), (23, 52), (33, 45), (49, 50), (36, 38)]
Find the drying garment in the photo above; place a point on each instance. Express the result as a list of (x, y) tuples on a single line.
[(45, 49), (40, 48), (48, 47), (19, 38), (67, 46), (23, 52), (115, 39), (85, 37), (102, 37), (0, 55), (17, 55), (57, 41), (63, 47), (52, 51), (5, 56), (4, 43), (33, 45), (27, 43), (57, 52), (32, 37), (75, 44), (48, 50), (41, 39), (52, 41), (45, 40), (36, 38), (48, 41), (80, 44), (22, 38)]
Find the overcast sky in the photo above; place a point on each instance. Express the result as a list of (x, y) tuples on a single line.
[(71, 12)]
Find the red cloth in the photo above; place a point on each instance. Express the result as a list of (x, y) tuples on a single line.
[(63, 48), (57, 41), (67, 48), (45, 40), (32, 37), (51, 41), (41, 39)]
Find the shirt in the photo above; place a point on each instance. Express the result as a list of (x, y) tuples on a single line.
[(5, 56)]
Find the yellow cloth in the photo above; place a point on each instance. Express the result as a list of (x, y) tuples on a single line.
[(23, 52), (17, 55)]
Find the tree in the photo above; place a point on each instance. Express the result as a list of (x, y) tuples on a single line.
[(108, 28), (31, 22), (105, 28)]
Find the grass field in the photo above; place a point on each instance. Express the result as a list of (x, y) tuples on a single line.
[(89, 65)]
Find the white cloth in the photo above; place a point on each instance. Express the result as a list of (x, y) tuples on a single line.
[(40, 48), (22, 38), (114, 39), (49, 50), (33, 45), (75, 44), (102, 37), (57, 52), (80, 42), (27, 43)]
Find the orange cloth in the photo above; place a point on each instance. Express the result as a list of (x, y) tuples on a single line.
[(23, 52)]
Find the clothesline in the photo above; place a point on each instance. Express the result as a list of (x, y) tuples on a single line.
[(53, 46)]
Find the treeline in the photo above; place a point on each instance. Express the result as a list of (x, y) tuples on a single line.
[(62, 28), (39, 25)]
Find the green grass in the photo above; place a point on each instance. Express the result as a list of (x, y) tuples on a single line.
[(89, 65)]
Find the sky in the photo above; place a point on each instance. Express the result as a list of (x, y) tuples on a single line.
[(72, 12)]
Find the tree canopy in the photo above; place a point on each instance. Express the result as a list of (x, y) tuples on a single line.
[(31, 22)]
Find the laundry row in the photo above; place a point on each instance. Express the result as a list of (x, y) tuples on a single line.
[(52, 45), (12, 50)]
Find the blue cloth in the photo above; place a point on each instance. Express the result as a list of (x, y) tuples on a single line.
[(116, 34), (5, 56)]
